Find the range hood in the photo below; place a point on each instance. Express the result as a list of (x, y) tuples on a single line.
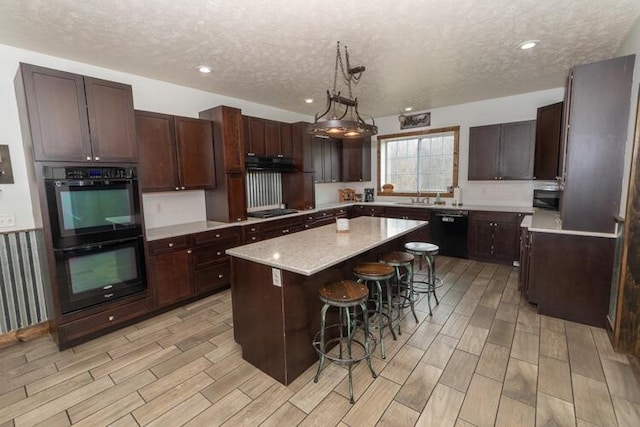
[(275, 164)]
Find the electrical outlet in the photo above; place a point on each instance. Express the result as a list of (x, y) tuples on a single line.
[(158, 208), (276, 276), (7, 220)]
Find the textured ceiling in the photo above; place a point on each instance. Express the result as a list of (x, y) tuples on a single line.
[(419, 53)]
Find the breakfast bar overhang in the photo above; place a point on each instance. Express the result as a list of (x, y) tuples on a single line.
[(276, 310)]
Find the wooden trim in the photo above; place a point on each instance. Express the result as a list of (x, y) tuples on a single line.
[(618, 345), (25, 334), (456, 158)]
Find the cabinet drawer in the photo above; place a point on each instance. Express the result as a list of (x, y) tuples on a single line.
[(324, 215), (206, 255), (493, 216), (252, 238), (213, 277), (168, 245), (222, 234), (97, 322), (341, 213), (309, 218), (282, 232), (281, 224)]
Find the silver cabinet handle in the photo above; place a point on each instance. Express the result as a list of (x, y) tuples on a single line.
[(111, 318), (220, 276), (89, 158), (108, 295), (177, 188), (218, 253), (170, 245), (182, 188), (97, 158), (189, 251), (217, 235)]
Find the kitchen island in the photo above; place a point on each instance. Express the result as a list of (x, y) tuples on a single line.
[(274, 286)]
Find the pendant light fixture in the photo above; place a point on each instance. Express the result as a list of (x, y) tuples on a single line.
[(341, 119)]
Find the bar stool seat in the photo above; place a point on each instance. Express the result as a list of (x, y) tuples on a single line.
[(428, 251), (376, 273), (345, 295), (399, 260)]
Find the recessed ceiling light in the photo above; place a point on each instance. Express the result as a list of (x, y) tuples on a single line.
[(309, 100), (529, 44), (204, 69), (408, 108)]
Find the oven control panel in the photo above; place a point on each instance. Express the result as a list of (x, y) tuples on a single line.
[(60, 173)]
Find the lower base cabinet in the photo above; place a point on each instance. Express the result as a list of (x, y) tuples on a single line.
[(569, 276), (170, 276), (494, 236)]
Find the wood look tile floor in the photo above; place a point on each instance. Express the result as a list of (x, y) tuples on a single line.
[(484, 358)]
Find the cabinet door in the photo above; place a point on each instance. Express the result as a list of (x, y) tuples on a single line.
[(194, 142), (271, 138), (111, 121), (309, 190), (286, 140), (504, 241), (480, 240), (236, 197), (355, 159), (335, 156), (548, 130), (57, 114), (255, 137), (171, 277), (517, 148), (318, 158), (157, 169), (484, 144)]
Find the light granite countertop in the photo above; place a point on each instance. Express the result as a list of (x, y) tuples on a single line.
[(202, 226), (546, 221), (311, 251)]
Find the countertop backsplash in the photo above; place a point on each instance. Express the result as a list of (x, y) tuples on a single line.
[(173, 207)]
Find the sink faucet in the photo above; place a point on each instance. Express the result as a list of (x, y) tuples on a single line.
[(424, 200)]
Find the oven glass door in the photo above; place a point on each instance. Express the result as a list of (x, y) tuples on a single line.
[(93, 207), (97, 273)]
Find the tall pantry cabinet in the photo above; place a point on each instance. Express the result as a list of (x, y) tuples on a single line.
[(596, 113)]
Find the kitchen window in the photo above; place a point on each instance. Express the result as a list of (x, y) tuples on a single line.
[(424, 162)]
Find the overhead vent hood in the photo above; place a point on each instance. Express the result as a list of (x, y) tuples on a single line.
[(275, 164)]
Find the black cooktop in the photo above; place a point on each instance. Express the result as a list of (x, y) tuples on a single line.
[(269, 213)]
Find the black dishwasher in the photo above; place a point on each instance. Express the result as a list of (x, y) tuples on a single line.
[(449, 231)]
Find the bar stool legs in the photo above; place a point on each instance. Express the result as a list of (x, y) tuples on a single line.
[(428, 251), (344, 295), (405, 293)]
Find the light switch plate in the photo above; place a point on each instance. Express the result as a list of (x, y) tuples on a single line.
[(276, 276)]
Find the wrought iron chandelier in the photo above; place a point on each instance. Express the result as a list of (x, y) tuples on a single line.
[(341, 119)]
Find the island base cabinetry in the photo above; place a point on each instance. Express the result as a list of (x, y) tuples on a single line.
[(275, 325)]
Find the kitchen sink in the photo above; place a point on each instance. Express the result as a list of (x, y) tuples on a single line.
[(413, 203)]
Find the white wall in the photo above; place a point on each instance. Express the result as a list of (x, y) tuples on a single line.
[(491, 111), (630, 45), (148, 94)]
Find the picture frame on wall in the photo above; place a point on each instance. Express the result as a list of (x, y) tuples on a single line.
[(414, 120)]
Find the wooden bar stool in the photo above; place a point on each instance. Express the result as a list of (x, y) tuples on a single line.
[(345, 295), (376, 273), (399, 260), (428, 251)]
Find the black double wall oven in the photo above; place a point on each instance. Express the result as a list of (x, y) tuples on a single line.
[(96, 230)]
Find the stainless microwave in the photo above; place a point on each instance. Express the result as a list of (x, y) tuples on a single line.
[(546, 199)]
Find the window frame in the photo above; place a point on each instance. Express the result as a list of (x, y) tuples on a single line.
[(456, 151)]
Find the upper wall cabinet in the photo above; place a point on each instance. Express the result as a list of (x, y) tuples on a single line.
[(176, 153), (266, 137), (356, 160), (548, 130), (502, 151), (76, 118)]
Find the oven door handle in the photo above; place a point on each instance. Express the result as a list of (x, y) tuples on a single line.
[(100, 245)]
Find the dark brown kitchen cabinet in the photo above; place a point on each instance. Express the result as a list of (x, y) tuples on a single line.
[(76, 118), (227, 202), (273, 228), (523, 272), (211, 265), (302, 141), (367, 210), (271, 138), (170, 273), (502, 151), (254, 136), (327, 159), (356, 160), (176, 152), (548, 132), (597, 110), (298, 190), (422, 234), (494, 236), (286, 140), (228, 136)]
